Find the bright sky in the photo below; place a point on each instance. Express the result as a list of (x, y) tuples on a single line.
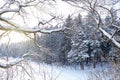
[(40, 13), (13, 37), (65, 9)]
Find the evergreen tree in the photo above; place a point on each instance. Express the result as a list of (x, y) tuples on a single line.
[(90, 19), (69, 22), (78, 20)]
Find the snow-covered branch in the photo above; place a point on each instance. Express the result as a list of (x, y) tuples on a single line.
[(7, 64), (19, 7), (117, 44), (31, 30), (8, 10)]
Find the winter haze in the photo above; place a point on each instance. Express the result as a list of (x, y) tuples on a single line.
[(59, 40)]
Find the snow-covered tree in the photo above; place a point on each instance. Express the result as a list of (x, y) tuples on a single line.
[(90, 19), (99, 8), (78, 20), (90, 51)]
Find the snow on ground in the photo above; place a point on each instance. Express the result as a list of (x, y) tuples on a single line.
[(28, 70)]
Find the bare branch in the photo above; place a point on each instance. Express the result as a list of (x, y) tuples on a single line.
[(3, 5), (3, 34), (47, 21), (78, 6), (112, 20)]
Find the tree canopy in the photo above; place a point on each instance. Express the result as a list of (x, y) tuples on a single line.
[(99, 9)]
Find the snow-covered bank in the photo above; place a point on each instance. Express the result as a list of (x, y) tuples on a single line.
[(28, 70)]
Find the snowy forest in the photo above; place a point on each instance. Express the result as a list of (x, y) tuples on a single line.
[(59, 40)]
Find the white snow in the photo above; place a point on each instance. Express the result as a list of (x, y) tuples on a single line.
[(28, 70)]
